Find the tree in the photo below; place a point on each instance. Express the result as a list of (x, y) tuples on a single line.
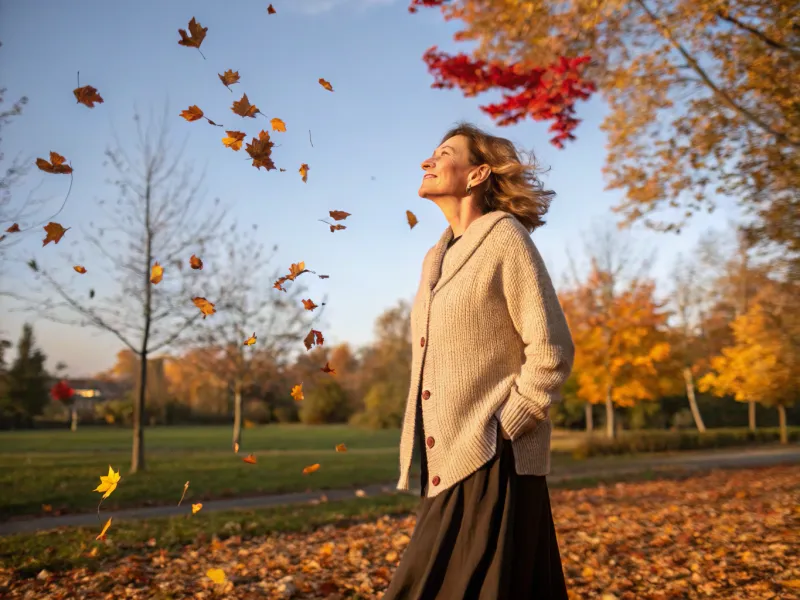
[(159, 218), (702, 95), (763, 363), (27, 380)]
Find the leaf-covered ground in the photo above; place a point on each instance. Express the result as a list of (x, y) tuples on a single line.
[(727, 534)]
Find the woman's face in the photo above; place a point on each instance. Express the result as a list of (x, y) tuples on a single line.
[(447, 171)]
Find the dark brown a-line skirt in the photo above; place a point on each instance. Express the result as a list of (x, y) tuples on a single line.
[(489, 537)]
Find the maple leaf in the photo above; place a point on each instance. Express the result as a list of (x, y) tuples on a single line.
[(234, 140), (228, 78), (80, 269), (250, 459), (251, 340), (195, 262), (304, 172), (309, 304), (336, 227), (193, 113), (327, 369), (13, 229), (278, 124), (260, 150), (196, 508), (185, 487), (341, 448), (54, 233), (206, 307), (338, 215), (412, 219), (156, 273), (216, 575), (243, 108), (297, 269), (313, 337), (197, 34), (87, 95), (297, 392), (102, 534), (271, 10), (55, 166), (326, 84), (310, 469), (108, 483)]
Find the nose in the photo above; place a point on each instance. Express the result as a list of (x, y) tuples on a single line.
[(428, 163)]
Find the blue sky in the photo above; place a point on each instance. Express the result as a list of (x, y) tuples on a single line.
[(382, 120)]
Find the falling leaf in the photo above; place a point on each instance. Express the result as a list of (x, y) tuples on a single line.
[(251, 340), (229, 77), (304, 172), (361, 493), (196, 508), (193, 113), (47, 508), (216, 575), (310, 468), (297, 269), (156, 273), (80, 269), (243, 108), (55, 166), (341, 448), (327, 369), (271, 10), (185, 487), (250, 459), (195, 262), (87, 95), (309, 304), (91, 293), (236, 447), (260, 150), (412, 219), (206, 307), (54, 233), (338, 215), (278, 125), (337, 227), (13, 229), (297, 392), (326, 85), (234, 140), (108, 483), (313, 337), (102, 534), (197, 34)]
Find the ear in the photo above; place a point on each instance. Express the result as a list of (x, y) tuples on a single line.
[(478, 175)]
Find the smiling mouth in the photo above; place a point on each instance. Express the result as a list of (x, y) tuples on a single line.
[(429, 176)]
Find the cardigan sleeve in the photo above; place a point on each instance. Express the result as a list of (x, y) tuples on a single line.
[(539, 320)]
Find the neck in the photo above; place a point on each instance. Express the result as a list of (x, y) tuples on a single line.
[(459, 212)]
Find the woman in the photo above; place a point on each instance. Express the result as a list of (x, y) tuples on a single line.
[(491, 349)]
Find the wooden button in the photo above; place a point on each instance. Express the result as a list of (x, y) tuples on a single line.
[(436, 480), (426, 394), (422, 341)]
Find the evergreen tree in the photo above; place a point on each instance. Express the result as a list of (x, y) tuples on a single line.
[(27, 380)]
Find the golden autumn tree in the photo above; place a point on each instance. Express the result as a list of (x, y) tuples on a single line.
[(620, 339), (763, 362)]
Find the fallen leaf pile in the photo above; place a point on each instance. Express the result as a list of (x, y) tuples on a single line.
[(729, 534)]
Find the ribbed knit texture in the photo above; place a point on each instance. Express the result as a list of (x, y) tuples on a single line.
[(494, 333)]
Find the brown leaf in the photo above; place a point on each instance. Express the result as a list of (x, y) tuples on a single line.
[(309, 304), (278, 124), (412, 219), (326, 85), (54, 233), (337, 227), (197, 34), (80, 269), (229, 77), (304, 172), (243, 108), (87, 95), (13, 229), (193, 113), (338, 215), (260, 150), (234, 140), (206, 307), (270, 10), (195, 262), (56, 164), (313, 337), (327, 369)]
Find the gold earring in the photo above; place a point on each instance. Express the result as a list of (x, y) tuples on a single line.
[(469, 189)]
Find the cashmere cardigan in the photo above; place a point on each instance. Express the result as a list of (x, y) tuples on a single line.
[(490, 345)]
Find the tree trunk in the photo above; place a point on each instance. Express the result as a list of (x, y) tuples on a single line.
[(688, 377), (751, 415), (73, 424), (611, 431), (782, 424), (237, 413), (137, 454), (589, 418)]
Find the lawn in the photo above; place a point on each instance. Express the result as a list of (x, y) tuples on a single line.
[(54, 472)]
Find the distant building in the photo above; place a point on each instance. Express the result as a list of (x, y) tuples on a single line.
[(91, 392)]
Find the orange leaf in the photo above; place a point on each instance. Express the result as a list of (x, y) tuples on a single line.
[(13, 229), (56, 164), (47, 508), (251, 340), (234, 140), (327, 369), (338, 215), (196, 508), (412, 219), (87, 95), (193, 113), (195, 262), (297, 392), (206, 307), (337, 227), (250, 459), (156, 273), (341, 448), (304, 172), (297, 269), (309, 304), (313, 337), (80, 269), (278, 124), (260, 150), (325, 84), (216, 575), (54, 233), (271, 10), (197, 34), (310, 468), (243, 108), (229, 77), (102, 534)]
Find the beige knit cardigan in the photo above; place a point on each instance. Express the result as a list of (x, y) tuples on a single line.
[(488, 333)]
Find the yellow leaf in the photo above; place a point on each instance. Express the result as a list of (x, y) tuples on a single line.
[(251, 340), (196, 507), (304, 172), (156, 273), (233, 140), (216, 575), (108, 483), (278, 125), (297, 392), (102, 534)]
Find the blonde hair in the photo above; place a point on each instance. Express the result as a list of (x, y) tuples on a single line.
[(512, 186)]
